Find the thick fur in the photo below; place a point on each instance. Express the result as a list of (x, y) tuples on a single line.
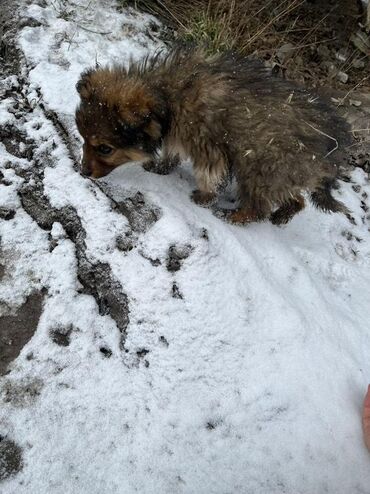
[(227, 113)]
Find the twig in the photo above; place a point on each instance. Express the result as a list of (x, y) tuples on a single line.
[(92, 31), (326, 135), (341, 101)]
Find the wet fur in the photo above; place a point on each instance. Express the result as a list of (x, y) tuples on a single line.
[(230, 116)]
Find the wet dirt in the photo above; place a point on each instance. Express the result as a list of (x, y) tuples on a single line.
[(10, 458), (16, 330)]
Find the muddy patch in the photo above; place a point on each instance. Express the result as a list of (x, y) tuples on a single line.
[(7, 214), (61, 336), (16, 330), (140, 214), (176, 255), (96, 278), (10, 458), (21, 393), (175, 292)]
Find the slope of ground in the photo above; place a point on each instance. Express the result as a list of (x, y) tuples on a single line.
[(174, 353)]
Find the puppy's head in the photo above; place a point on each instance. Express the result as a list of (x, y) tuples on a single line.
[(120, 119)]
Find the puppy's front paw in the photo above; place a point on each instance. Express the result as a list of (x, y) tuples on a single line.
[(150, 166), (203, 198), (163, 167)]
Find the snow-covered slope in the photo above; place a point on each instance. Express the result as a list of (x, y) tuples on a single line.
[(244, 363)]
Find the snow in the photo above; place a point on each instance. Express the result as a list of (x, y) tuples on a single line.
[(253, 380)]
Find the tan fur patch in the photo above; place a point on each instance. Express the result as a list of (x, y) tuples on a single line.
[(153, 129), (173, 147), (122, 156), (209, 178), (132, 99)]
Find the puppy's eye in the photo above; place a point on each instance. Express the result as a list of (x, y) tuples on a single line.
[(104, 149)]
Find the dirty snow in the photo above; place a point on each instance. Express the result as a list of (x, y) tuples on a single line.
[(249, 380)]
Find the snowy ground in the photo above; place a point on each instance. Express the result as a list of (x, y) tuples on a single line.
[(229, 360)]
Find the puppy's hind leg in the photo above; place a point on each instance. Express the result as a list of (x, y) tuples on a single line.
[(252, 208), (323, 199), (287, 210), (254, 199)]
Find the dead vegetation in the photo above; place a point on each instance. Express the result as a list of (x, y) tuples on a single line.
[(316, 42)]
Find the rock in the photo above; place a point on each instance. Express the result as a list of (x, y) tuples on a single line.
[(285, 52), (358, 64), (323, 51), (361, 41), (341, 55), (342, 77)]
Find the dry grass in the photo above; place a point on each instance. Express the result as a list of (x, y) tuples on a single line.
[(262, 27), (220, 24)]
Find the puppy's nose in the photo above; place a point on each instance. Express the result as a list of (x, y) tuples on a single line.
[(86, 172)]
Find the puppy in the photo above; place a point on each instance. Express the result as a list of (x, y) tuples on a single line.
[(230, 115)]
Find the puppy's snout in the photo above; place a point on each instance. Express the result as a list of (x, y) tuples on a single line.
[(86, 170), (86, 173)]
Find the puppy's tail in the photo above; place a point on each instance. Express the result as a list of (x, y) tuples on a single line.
[(322, 199)]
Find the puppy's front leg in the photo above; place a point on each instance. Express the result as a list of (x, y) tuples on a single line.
[(209, 178)]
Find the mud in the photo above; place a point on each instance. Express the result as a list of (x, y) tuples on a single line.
[(176, 291), (96, 278), (139, 213), (176, 255), (61, 336), (98, 281), (21, 393), (16, 330), (7, 214), (10, 458)]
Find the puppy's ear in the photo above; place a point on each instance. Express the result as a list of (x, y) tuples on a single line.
[(84, 85)]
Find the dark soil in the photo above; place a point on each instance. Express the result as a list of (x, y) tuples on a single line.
[(10, 458), (139, 213), (61, 336), (96, 278), (176, 255), (16, 330)]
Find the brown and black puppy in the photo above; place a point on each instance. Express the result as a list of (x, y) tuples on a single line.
[(230, 116)]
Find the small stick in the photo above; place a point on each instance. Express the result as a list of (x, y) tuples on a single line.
[(92, 31), (341, 100), (326, 135)]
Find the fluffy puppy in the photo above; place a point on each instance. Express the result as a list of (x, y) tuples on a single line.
[(230, 116)]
